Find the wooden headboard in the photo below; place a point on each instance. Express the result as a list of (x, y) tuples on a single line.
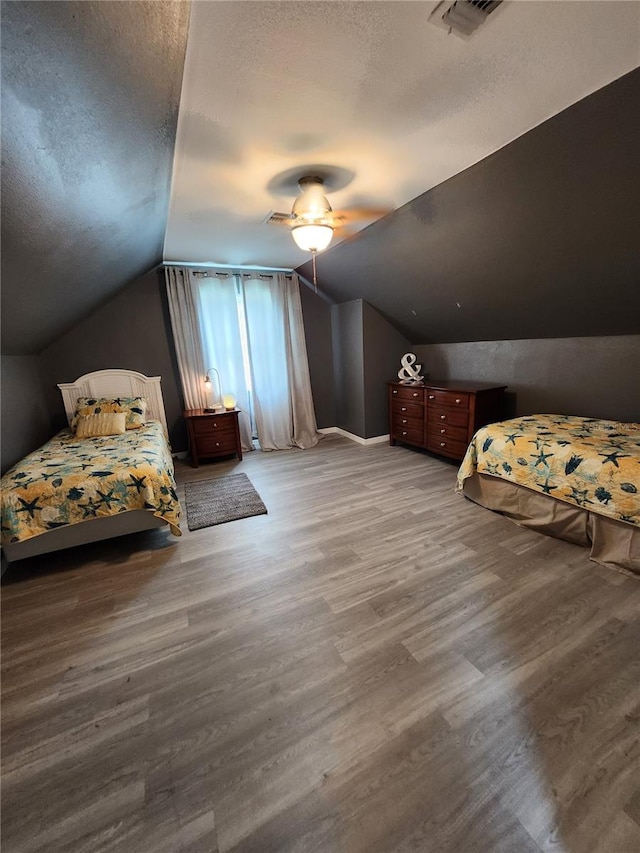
[(116, 383)]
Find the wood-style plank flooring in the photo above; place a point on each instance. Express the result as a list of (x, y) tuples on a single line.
[(375, 665)]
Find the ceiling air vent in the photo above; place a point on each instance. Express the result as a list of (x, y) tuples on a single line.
[(277, 218), (462, 17)]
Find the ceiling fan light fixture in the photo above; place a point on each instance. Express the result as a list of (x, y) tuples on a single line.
[(312, 238)]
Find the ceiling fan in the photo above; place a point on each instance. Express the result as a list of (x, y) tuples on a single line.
[(312, 220)]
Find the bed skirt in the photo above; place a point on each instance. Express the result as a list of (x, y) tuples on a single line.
[(613, 543)]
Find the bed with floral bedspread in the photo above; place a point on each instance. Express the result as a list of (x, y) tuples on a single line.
[(71, 480), (572, 478)]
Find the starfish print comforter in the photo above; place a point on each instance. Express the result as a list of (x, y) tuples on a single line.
[(593, 464), (69, 480)]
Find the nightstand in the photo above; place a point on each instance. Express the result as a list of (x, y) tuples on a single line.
[(212, 434)]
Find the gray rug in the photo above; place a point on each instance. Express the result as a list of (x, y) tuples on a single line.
[(210, 502)]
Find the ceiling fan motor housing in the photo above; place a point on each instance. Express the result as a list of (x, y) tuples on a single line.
[(312, 205)]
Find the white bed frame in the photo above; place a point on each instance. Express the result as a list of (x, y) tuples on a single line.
[(100, 383), (116, 383)]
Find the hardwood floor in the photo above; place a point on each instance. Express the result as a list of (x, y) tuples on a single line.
[(375, 665)]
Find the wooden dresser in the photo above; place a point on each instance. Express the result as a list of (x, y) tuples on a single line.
[(442, 416), (212, 434)]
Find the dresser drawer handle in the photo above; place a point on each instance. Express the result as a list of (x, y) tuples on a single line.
[(443, 444), (442, 431), (415, 394), (404, 433), (395, 390), (217, 444), (404, 420), (432, 396), (443, 417), (458, 401), (403, 409)]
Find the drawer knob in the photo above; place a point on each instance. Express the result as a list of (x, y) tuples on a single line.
[(415, 393), (458, 401), (404, 433), (217, 444), (443, 430), (404, 420), (443, 444), (395, 390), (432, 396), (443, 417), (403, 409), (215, 423)]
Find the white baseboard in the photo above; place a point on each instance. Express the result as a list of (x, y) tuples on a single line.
[(377, 439)]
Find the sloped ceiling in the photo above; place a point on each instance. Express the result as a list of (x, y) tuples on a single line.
[(372, 88), (539, 240), (90, 94)]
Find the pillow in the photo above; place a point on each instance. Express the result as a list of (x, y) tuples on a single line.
[(134, 407), (106, 423)]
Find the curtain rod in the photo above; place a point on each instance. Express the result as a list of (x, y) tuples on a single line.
[(237, 268), (205, 274)]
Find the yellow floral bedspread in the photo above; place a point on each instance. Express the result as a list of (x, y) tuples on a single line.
[(590, 463), (69, 480)]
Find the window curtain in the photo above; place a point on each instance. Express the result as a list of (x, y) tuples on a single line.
[(283, 402), (186, 334), (217, 303)]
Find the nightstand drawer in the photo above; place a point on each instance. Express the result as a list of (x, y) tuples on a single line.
[(214, 444), (214, 425), (454, 417), (408, 393), (447, 398)]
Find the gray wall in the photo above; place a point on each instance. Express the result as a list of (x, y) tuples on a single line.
[(348, 366), (539, 240), (383, 348), (366, 353), (131, 331), (596, 377), (316, 313), (25, 417)]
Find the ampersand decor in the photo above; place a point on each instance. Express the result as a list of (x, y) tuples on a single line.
[(409, 373)]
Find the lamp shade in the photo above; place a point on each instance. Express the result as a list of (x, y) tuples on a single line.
[(312, 238)]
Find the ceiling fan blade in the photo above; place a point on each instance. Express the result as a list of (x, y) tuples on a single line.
[(357, 214)]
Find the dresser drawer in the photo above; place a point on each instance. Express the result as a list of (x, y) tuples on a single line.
[(447, 398), (411, 436), (214, 426), (453, 417), (402, 421), (442, 430), (408, 393), (407, 410), (446, 447)]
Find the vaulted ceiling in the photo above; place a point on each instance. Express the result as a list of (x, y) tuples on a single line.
[(98, 123)]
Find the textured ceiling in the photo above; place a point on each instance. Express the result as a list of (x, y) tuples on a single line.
[(372, 88), (90, 94)]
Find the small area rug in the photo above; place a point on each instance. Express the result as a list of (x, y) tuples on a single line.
[(223, 499)]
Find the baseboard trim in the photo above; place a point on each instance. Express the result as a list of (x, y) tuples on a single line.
[(377, 439)]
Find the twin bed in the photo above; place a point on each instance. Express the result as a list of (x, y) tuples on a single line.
[(77, 490), (573, 478)]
